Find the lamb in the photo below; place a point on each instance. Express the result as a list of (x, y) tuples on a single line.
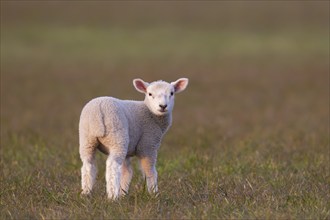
[(122, 129)]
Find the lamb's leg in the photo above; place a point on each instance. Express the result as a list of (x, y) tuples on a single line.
[(117, 145), (113, 175), (88, 170), (127, 173), (148, 167)]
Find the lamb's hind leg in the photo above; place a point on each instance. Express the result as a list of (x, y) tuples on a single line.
[(113, 174), (126, 177), (88, 171), (117, 146)]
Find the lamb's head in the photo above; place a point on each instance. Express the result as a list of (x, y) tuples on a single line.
[(159, 95)]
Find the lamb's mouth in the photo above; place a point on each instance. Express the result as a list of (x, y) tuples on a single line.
[(162, 110)]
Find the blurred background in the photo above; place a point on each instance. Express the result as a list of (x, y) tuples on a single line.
[(258, 70), (250, 63)]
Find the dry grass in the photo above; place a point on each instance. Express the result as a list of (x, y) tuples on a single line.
[(250, 137)]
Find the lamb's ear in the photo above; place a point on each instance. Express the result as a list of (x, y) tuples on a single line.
[(140, 85), (180, 85)]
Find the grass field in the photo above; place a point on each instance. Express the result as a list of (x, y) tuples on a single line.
[(250, 136)]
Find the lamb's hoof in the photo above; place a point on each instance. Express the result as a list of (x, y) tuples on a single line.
[(156, 194), (113, 197), (85, 193), (123, 193)]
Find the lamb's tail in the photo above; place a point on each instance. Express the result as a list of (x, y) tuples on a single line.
[(92, 120)]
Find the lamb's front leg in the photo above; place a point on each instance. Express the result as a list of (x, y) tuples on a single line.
[(148, 167)]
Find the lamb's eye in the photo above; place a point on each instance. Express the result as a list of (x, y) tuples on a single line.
[(172, 93), (150, 94)]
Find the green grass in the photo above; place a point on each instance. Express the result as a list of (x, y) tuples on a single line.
[(118, 44), (245, 181), (250, 136)]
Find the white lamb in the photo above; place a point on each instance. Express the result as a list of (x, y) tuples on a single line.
[(122, 129)]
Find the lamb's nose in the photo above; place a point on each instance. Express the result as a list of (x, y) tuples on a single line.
[(163, 106)]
